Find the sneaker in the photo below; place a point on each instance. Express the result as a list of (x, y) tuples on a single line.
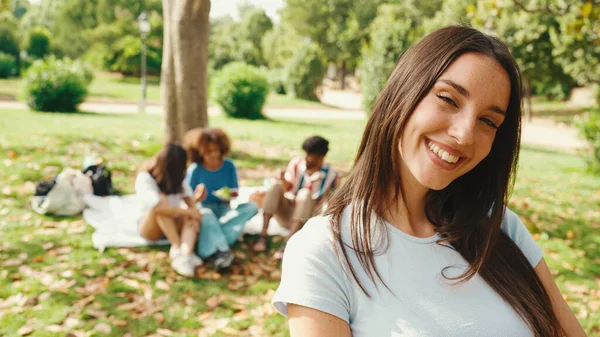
[(196, 260), (223, 259), (183, 265), (174, 252)]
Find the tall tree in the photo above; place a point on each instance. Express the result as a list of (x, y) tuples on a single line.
[(184, 66), (338, 27)]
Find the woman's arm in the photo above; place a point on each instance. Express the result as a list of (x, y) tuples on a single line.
[(567, 320), (308, 322)]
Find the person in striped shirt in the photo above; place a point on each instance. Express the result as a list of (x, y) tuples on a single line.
[(299, 191)]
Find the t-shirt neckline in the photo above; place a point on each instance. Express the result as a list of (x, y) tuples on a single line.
[(408, 237)]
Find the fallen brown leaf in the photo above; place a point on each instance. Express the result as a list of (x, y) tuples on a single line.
[(54, 328), (164, 332), (102, 327), (213, 302), (162, 285), (96, 313), (25, 330)]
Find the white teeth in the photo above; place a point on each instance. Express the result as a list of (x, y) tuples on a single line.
[(442, 154)]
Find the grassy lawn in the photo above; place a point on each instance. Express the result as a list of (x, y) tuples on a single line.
[(52, 280), (110, 88)]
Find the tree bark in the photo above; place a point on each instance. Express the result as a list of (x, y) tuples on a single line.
[(185, 57), (343, 76)]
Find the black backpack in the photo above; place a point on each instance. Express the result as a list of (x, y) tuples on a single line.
[(101, 179)]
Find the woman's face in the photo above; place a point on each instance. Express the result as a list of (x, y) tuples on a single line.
[(453, 127), (211, 154)]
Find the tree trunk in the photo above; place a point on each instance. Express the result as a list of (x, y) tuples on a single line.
[(185, 57), (343, 75), (528, 107)]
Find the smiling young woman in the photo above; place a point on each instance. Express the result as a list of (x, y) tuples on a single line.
[(418, 240)]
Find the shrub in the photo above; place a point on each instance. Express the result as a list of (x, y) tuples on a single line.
[(56, 85), (38, 42), (589, 126), (241, 90), (8, 65), (305, 72)]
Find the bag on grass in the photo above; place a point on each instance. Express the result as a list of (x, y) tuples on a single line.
[(101, 179)]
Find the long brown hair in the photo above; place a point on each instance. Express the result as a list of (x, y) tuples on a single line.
[(467, 213), (168, 167)]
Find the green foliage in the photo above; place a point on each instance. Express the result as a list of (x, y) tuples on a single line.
[(279, 44), (232, 41), (8, 65), (305, 71), (392, 32), (528, 37), (241, 90), (38, 42), (337, 27), (576, 39), (8, 36), (277, 80), (589, 126), (56, 85)]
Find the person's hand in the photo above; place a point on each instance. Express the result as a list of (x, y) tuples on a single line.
[(200, 194), (282, 175)]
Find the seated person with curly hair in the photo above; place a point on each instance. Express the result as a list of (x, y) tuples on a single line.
[(213, 177)]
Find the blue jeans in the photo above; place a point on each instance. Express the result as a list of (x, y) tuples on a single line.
[(221, 226)]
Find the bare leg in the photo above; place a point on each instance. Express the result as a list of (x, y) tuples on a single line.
[(188, 237), (170, 229)]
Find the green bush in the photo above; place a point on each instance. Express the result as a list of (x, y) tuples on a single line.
[(241, 90), (8, 65), (277, 81), (56, 85), (589, 126), (38, 42), (305, 72)]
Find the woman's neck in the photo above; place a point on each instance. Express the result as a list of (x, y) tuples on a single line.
[(408, 212)]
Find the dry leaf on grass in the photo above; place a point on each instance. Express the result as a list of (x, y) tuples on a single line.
[(103, 327), (54, 328), (25, 330)]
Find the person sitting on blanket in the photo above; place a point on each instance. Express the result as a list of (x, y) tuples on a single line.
[(213, 177), (299, 191), (160, 189)]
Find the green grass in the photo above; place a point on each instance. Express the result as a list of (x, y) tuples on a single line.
[(111, 88), (554, 195)]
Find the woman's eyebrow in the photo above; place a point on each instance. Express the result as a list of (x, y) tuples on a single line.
[(463, 91)]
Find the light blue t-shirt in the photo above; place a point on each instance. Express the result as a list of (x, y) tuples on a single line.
[(226, 176), (421, 303)]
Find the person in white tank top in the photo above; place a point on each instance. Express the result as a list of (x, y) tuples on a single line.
[(418, 240)]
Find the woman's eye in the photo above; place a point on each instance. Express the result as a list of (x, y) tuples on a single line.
[(490, 123), (448, 100)]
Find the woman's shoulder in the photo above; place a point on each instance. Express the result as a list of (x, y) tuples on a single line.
[(314, 239)]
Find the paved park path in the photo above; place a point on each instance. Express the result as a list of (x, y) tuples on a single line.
[(539, 132)]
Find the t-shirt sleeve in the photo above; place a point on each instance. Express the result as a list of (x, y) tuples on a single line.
[(233, 178), (517, 231), (146, 190), (311, 275)]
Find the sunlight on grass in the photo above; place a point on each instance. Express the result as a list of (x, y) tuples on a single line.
[(554, 195)]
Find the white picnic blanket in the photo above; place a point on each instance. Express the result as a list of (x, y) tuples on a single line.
[(115, 220)]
